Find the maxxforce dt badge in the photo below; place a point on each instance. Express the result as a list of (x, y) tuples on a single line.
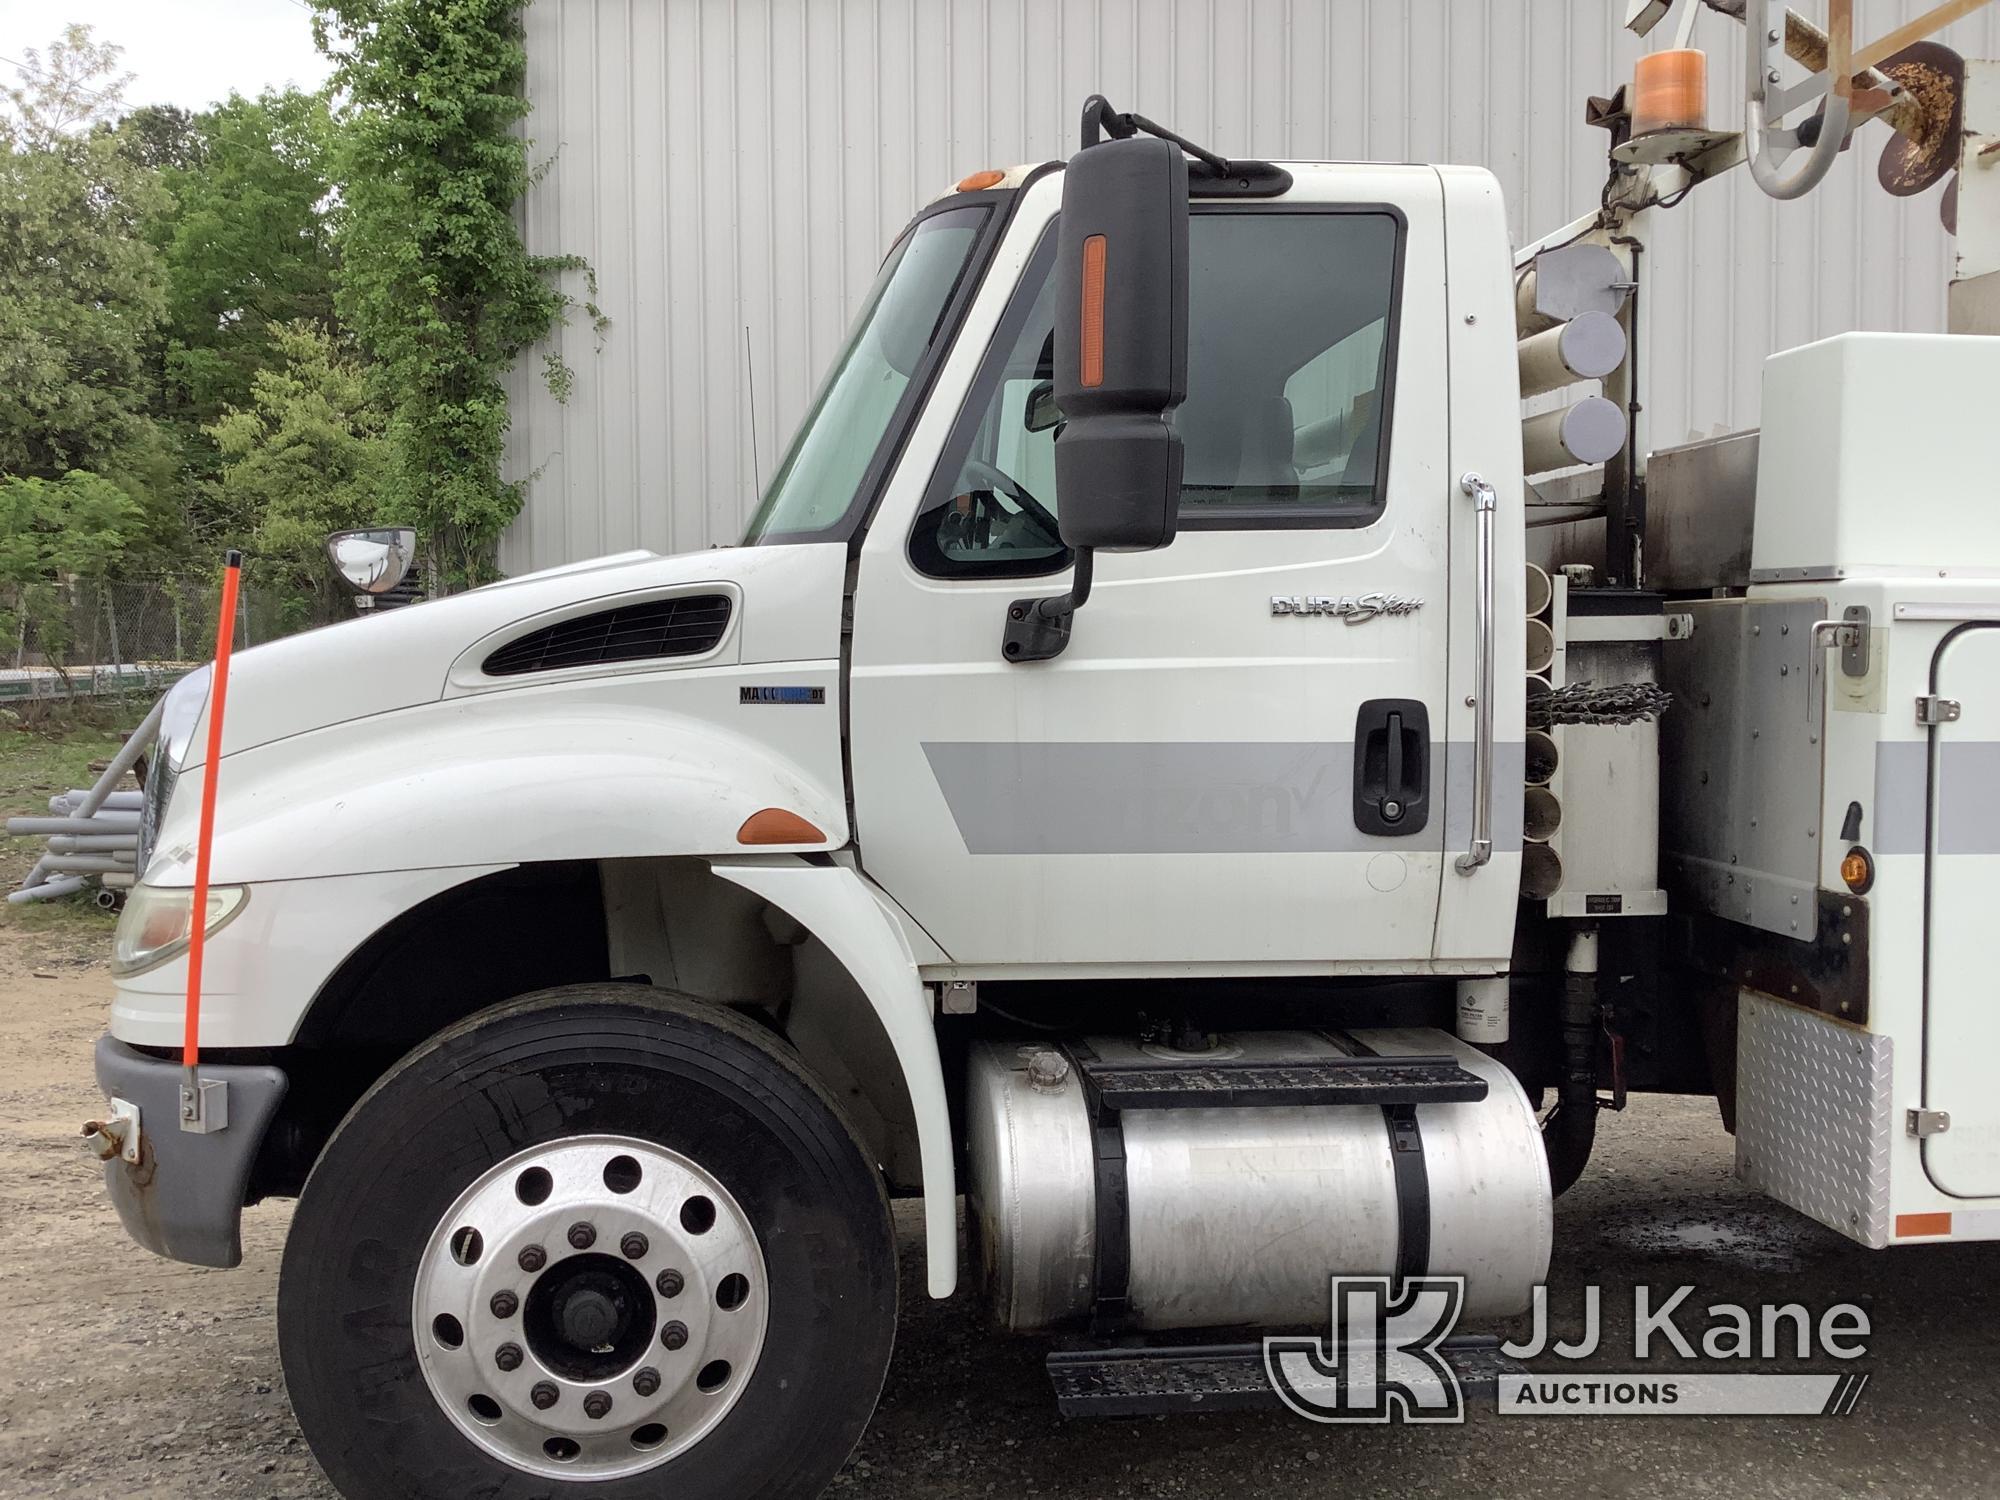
[(781, 695), (1353, 608)]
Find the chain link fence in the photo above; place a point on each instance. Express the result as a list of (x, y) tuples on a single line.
[(114, 638)]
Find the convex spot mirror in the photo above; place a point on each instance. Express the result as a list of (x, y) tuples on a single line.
[(372, 562), (1041, 412), (1121, 343)]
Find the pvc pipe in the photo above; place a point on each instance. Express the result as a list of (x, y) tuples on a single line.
[(69, 885), (114, 822), (1540, 591), (1541, 815), (78, 798), (1542, 757), (1541, 646), (123, 761), (86, 864), (92, 843), (1541, 872), (1589, 432), (1588, 347)]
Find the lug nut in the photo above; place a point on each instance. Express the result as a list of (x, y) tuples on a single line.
[(533, 1258), (671, 1283), (508, 1357), (597, 1406), (634, 1245), (505, 1304), (674, 1335), (582, 1236), (543, 1395), (647, 1382)]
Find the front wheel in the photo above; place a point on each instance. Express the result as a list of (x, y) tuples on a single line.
[(601, 1236)]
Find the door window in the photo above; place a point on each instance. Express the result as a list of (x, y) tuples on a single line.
[(1291, 344)]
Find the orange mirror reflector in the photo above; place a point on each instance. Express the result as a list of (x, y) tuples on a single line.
[(1091, 360), (774, 825), (979, 181)]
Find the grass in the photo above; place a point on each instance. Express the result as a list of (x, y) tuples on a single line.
[(40, 756)]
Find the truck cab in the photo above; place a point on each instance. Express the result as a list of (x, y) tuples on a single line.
[(1131, 778)]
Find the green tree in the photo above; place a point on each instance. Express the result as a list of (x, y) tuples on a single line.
[(51, 530), (81, 289), (435, 280), (306, 457), (248, 245)]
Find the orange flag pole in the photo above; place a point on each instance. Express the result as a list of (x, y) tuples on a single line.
[(193, 1113)]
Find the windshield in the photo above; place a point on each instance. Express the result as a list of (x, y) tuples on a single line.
[(819, 484)]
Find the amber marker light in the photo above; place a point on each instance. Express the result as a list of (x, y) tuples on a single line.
[(775, 825), (1857, 868), (1091, 364), (1670, 91), (978, 182)]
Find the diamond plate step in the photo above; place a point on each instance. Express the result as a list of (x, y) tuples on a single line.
[(1347, 1080), (1148, 1382)]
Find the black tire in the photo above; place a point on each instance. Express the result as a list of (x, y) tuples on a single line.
[(595, 1059)]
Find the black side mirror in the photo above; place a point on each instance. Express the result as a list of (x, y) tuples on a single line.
[(1120, 361), (1121, 343)]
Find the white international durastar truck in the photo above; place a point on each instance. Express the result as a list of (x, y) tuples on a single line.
[(1133, 776)]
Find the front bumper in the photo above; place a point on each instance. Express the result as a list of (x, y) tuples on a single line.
[(183, 1197)]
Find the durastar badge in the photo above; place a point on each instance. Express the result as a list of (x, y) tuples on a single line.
[(1353, 608)]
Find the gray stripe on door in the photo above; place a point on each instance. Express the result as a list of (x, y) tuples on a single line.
[(1186, 797), (1969, 805)]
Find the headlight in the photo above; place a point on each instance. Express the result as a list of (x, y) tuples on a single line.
[(177, 720), (158, 921)]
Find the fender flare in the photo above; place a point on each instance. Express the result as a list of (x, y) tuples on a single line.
[(841, 908)]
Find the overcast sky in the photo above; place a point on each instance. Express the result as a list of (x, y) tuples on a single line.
[(186, 52)]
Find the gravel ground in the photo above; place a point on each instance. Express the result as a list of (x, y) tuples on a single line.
[(127, 1376)]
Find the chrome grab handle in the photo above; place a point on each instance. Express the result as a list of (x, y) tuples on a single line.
[(1486, 503)]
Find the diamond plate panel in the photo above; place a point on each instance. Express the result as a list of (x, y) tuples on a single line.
[(1813, 1116)]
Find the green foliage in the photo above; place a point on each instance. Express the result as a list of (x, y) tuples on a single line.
[(435, 280), (81, 288), (50, 529), (307, 456), (248, 245)]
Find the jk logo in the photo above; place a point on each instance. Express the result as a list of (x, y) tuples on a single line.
[(1382, 1362)]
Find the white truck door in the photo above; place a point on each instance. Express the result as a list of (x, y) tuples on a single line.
[(1962, 867), (1239, 757)]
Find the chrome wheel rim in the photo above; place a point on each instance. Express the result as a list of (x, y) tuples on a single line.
[(590, 1308)]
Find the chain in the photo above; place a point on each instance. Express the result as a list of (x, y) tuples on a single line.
[(1580, 703)]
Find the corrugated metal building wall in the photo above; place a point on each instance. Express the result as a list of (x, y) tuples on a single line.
[(734, 169)]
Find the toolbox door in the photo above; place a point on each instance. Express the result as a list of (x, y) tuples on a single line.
[(1962, 886)]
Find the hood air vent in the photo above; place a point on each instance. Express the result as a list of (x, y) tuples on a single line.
[(683, 626)]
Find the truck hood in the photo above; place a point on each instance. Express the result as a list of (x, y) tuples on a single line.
[(786, 608)]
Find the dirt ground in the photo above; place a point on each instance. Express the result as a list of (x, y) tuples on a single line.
[(123, 1375)]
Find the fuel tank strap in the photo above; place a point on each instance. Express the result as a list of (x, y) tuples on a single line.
[(1413, 1191), (1107, 1092)]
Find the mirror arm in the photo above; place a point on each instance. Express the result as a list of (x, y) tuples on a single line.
[(1098, 115), (1038, 629)]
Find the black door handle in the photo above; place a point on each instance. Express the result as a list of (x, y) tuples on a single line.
[(1392, 767)]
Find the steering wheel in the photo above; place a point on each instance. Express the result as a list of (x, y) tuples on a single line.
[(983, 475)]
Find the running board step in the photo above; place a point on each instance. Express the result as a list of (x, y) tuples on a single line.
[(1123, 1085), (1151, 1382)]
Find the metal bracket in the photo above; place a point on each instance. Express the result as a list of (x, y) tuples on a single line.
[(1929, 1122), (204, 1105), (958, 997), (1933, 710), (115, 1135)]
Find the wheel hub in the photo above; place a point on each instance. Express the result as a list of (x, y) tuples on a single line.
[(591, 1307)]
